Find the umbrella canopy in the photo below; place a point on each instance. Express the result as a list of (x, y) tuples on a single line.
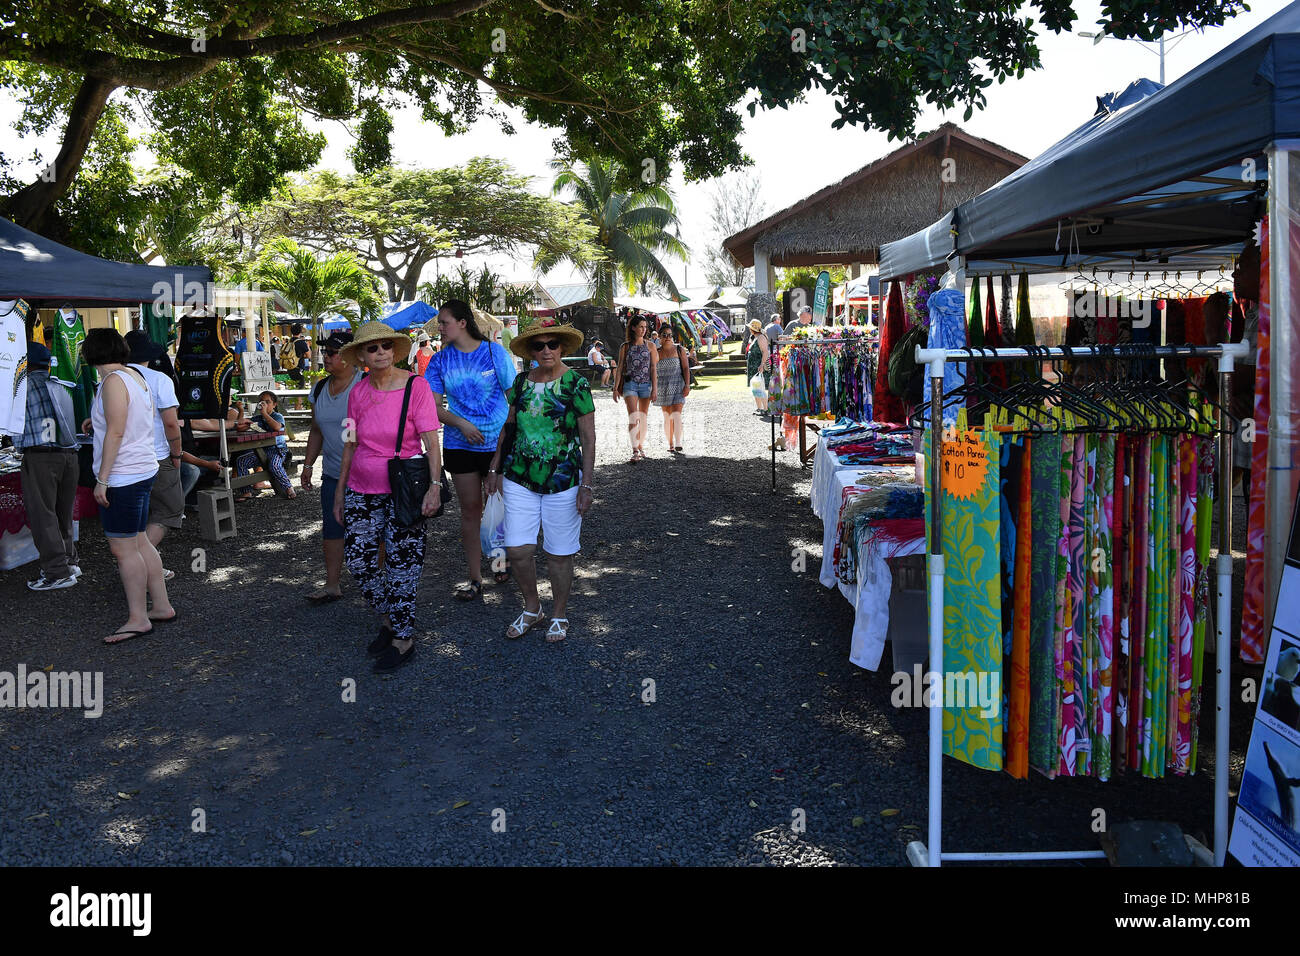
[(399, 316)]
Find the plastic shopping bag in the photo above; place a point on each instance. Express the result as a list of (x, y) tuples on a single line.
[(492, 527), (756, 386)]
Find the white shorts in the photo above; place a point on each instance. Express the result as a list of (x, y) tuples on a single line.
[(556, 514)]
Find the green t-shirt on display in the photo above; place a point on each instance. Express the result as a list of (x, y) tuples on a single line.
[(547, 454)]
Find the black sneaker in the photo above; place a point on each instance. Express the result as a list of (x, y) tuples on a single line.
[(391, 659), (382, 640)]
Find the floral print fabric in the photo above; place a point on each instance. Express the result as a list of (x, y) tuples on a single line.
[(547, 453)]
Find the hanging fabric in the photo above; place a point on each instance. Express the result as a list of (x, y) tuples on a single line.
[(888, 407), (997, 373)]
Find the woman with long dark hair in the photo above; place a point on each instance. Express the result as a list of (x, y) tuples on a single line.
[(121, 420), (469, 377), (635, 381), (674, 383)]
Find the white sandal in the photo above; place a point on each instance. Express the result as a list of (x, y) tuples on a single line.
[(556, 633), (521, 626)]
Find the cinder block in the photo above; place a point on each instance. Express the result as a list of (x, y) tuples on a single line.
[(216, 514)]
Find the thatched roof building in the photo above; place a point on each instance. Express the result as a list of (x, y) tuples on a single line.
[(848, 221)]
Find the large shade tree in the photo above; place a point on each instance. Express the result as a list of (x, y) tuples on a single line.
[(400, 220), (632, 221), (222, 86)]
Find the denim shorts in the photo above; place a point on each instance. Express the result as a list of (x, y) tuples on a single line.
[(331, 530), (639, 389), (127, 513)]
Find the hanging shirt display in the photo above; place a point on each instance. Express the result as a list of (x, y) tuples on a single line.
[(204, 367), (66, 366), (13, 366)]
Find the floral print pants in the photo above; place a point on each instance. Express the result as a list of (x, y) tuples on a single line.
[(389, 589)]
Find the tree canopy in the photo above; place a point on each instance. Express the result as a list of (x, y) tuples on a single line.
[(222, 87), (399, 220)]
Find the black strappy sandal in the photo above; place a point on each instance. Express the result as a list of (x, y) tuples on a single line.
[(468, 592), (501, 577)]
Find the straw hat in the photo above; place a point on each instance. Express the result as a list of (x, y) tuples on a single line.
[(755, 325), (375, 332), (570, 338)]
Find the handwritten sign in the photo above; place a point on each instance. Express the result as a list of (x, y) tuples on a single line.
[(964, 464), (257, 371)]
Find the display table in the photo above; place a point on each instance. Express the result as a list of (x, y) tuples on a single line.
[(16, 545), (238, 443), (869, 592)]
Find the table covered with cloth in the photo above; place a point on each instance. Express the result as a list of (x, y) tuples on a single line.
[(869, 514)]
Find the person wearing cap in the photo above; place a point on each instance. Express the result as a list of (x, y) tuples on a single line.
[(423, 353), (804, 318), (468, 377), (758, 359), (49, 472), (329, 410), (363, 500), (544, 466), (167, 496)]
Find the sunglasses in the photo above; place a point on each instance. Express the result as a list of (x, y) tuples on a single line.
[(331, 352), (541, 345), (386, 345)]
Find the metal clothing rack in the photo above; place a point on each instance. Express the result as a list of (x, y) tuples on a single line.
[(931, 852), (805, 458)]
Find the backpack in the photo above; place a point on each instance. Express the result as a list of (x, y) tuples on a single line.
[(905, 376), (288, 356)]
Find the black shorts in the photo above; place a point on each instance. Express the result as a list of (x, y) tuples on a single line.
[(461, 461)]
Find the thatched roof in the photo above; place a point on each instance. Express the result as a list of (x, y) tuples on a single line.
[(888, 199)]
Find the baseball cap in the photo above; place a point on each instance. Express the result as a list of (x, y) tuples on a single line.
[(335, 341), (38, 355)]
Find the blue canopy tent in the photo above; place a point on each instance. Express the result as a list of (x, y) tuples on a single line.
[(400, 316), (41, 270)]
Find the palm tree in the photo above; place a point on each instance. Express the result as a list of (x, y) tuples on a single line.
[(317, 287), (631, 228)]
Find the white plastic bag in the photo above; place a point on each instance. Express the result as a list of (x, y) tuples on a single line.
[(492, 527)]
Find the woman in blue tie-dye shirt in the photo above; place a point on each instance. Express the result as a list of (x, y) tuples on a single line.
[(469, 376)]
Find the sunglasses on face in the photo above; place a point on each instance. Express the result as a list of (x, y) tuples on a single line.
[(331, 352), (539, 345), (386, 345)]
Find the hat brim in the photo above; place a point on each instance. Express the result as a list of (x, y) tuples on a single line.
[(570, 336), (350, 353)]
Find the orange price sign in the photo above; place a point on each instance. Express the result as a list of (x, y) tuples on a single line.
[(964, 464)]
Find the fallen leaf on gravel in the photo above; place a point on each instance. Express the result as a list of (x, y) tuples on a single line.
[(608, 812), (460, 803), (888, 813), (819, 673), (752, 803), (314, 829), (16, 747), (801, 705), (857, 821), (37, 816), (51, 666), (712, 667), (124, 796)]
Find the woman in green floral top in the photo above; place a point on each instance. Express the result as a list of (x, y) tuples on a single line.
[(543, 466)]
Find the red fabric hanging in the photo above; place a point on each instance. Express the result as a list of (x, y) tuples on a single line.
[(997, 372), (886, 406)]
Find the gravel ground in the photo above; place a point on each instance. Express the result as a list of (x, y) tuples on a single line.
[(484, 751)]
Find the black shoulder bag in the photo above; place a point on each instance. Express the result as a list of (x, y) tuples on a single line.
[(409, 478)]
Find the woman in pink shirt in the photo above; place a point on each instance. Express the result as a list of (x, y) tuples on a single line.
[(363, 503)]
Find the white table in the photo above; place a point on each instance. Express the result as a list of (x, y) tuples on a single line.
[(869, 594)]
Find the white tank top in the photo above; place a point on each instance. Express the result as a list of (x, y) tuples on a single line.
[(135, 456)]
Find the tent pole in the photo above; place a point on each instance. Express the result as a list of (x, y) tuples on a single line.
[(1279, 489), (1223, 616)]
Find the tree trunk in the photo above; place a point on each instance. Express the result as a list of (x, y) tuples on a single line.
[(33, 205)]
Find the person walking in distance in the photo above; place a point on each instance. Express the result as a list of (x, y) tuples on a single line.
[(544, 466), (329, 410), (390, 409), (125, 463), (757, 361), (469, 376), (49, 472), (635, 381), (673, 378)]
